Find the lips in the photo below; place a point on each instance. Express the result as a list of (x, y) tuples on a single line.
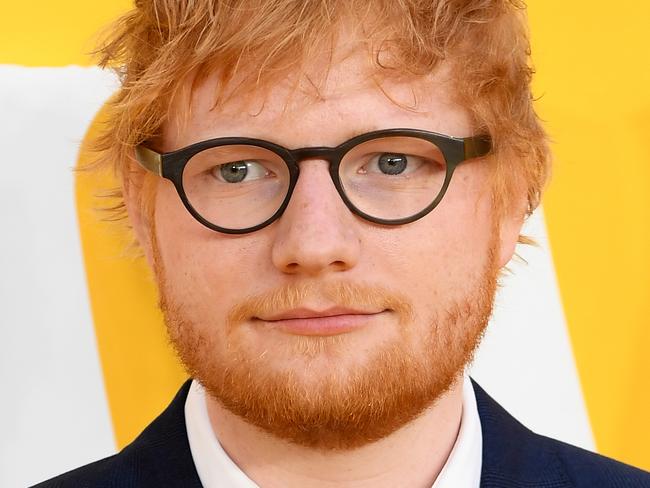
[(331, 321), (305, 313)]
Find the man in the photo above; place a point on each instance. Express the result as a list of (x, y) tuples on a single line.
[(326, 193)]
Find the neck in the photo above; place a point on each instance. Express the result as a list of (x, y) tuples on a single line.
[(412, 456)]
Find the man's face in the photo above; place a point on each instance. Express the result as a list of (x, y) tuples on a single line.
[(411, 301)]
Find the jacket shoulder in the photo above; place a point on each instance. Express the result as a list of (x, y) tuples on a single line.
[(516, 457), (110, 472), (588, 469), (159, 456)]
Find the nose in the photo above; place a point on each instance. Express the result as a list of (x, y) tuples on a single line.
[(317, 233)]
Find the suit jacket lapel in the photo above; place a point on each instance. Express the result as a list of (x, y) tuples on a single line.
[(163, 451), (513, 456)]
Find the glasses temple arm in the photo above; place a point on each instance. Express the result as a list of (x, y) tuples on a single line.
[(148, 159), (477, 146)]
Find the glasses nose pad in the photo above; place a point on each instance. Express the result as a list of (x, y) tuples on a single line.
[(333, 158), (314, 233), (310, 156), (330, 155)]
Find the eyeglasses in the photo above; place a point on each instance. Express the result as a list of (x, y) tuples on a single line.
[(237, 185)]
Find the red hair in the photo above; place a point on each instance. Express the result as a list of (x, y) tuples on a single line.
[(161, 45)]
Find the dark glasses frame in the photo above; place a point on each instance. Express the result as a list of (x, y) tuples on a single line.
[(172, 164)]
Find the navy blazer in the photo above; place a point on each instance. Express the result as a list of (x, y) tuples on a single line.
[(513, 457)]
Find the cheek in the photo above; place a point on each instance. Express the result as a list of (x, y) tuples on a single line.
[(205, 271), (466, 215), (438, 258)]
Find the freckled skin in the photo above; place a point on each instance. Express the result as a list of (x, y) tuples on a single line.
[(318, 237), (436, 262)]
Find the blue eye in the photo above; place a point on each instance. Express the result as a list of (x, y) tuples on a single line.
[(392, 164), (239, 171)]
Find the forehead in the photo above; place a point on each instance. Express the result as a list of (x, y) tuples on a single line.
[(318, 107)]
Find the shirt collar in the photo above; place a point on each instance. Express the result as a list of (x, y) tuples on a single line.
[(217, 470), (213, 465), (463, 466)]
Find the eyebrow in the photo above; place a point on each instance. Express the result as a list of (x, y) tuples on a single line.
[(353, 133), (346, 136)]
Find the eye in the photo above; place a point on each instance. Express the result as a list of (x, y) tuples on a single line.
[(392, 164), (239, 171)]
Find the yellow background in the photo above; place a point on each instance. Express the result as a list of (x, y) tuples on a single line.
[(594, 73)]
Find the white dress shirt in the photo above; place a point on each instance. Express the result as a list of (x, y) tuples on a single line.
[(216, 470)]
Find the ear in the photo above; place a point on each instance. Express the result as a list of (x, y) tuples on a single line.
[(510, 229), (133, 183)]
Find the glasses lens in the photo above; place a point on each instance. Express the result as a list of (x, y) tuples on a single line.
[(237, 186), (393, 177)]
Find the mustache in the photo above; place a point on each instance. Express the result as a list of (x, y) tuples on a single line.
[(339, 294)]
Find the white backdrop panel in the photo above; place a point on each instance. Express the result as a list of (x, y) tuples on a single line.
[(53, 414), (525, 361)]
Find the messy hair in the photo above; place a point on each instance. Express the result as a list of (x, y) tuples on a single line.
[(161, 47)]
